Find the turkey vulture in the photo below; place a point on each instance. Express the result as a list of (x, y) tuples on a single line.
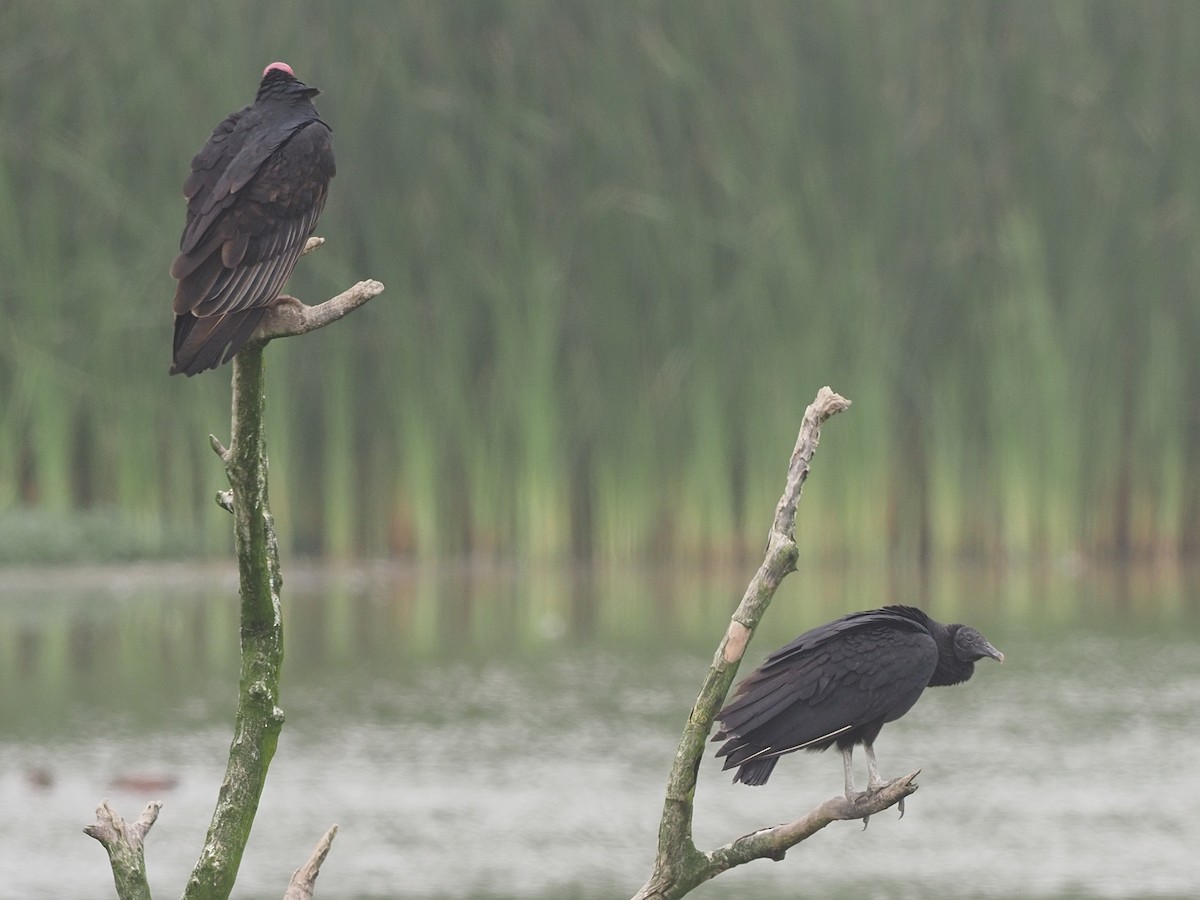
[(253, 198), (839, 684)]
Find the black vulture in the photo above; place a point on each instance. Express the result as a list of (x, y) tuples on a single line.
[(254, 194), (839, 684)]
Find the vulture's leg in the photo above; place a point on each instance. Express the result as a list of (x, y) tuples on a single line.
[(874, 782), (848, 763)]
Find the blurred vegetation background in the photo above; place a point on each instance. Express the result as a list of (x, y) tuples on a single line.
[(623, 246)]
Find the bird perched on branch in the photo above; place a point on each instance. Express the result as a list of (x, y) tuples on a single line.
[(254, 195), (839, 684)]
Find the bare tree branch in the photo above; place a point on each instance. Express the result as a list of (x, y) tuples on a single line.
[(679, 866), (774, 843), (304, 879), (289, 317), (258, 719), (124, 843)]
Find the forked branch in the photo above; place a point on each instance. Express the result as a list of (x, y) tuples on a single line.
[(124, 842), (774, 842), (258, 719), (679, 865), (289, 317)]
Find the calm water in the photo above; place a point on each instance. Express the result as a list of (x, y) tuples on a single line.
[(485, 733)]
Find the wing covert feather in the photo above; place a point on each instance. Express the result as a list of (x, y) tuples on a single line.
[(842, 675)]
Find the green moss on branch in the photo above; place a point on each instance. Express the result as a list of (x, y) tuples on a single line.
[(259, 717)]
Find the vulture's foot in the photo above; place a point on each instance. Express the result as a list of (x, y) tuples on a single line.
[(857, 797)]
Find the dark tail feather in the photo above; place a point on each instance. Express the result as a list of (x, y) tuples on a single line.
[(207, 342), (757, 772), (753, 768)]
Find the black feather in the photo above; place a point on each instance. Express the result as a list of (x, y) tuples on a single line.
[(840, 683), (254, 194)]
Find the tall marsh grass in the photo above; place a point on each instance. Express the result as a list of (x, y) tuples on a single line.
[(624, 244)]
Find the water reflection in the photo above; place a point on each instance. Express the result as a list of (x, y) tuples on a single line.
[(500, 732)]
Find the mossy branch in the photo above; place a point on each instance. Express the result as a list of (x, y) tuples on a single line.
[(259, 718), (124, 843), (679, 865)]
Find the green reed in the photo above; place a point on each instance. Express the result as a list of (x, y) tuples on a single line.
[(624, 245)]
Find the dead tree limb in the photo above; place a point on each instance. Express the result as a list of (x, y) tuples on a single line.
[(679, 865), (304, 879), (774, 842), (124, 842), (290, 317), (259, 718)]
